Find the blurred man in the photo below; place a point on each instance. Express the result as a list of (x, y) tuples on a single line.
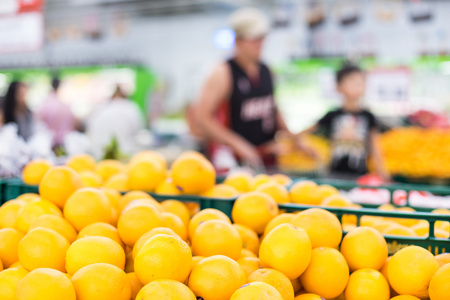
[(237, 106)]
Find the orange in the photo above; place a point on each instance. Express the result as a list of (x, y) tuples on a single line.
[(250, 240), (58, 184), (327, 273), (254, 210), (94, 249), (305, 192), (31, 211), (324, 191), (9, 279), (101, 229), (87, 206), (440, 285), (9, 241), (129, 262), (148, 235), (91, 179), (260, 179), (113, 197), (163, 257), (135, 284), (276, 191), (249, 264), (174, 222), (443, 259), (81, 162), (399, 230), (216, 237), (410, 271), (109, 167), (196, 260), (165, 289), (146, 175), (256, 291), (101, 281), (118, 182), (364, 247), (148, 155), (247, 253), (43, 248), (280, 219), (309, 297), (45, 284), (35, 170), (367, 284), (221, 191), (193, 174), (205, 215), (240, 181), (405, 297), (9, 212), (286, 249), (29, 197), (322, 227), (178, 208), (296, 284), (442, 224), (58, 224), (167, 187), (336, 201), (137, 220), (282, 179), (276, 279), (136, 195), (216, 278)]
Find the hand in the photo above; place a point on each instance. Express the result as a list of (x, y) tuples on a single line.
[(249, 154), (311, 152)]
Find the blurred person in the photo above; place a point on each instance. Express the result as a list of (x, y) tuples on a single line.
[(57, 115), (351, 129), (237, 107), (120, 118), (15, 109)]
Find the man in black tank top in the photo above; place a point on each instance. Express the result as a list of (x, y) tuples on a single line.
[(241, 90)]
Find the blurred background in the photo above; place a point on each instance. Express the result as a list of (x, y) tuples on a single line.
[(159, 53)]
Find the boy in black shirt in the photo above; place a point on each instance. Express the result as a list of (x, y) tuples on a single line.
[(351, 129)]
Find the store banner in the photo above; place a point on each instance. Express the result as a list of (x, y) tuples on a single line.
[(12, 7), (21, 33)]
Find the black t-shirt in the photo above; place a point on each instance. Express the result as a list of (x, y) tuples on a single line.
[(349, 134)]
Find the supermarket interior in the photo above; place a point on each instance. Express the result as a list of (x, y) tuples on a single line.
[(224, 149)]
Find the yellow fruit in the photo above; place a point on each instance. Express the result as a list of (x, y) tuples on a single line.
[(405, 297), (31, 211), (256, 291), (101, 229), (296, 284), (16, 265), (58, 184), (35, 170), (249, 265), (9, 212), (135, 284), (165, 289), (118, 182), (250, 240), (309, 297), (9, 279), (410, 271), (276, 279), (327, 273), (137, 220), (129, 263), (336, 201), (91, 179), (322, 227), (193, 174), (173, 222), (163, 257), (247, 253), (81, 162), (399, 230), (148, 235), (29, 197), (87, 206), (282, 179), (109, 167), (440, 284), (146, 175), (113, 197), (217, 237), (386, 207), (216, 278), (148, 155), (205, 215), (94, 249), (9, 241), (135, 195), (43, 248), (196, 260), (221, 191), (442, 224), (276, 191), (58, 224), (167, 187), (101, 282), (443, 259), (286, 249), (305, 192), (367, 284), (280, 219), (178, 208), (324, 191), (45, 284), (240, 181), (258, 180), (363, 248), (254, 210)]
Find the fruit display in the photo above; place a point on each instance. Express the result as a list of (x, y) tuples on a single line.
[(84, 242)]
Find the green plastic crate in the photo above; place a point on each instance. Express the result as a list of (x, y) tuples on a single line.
[(16, 187)]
